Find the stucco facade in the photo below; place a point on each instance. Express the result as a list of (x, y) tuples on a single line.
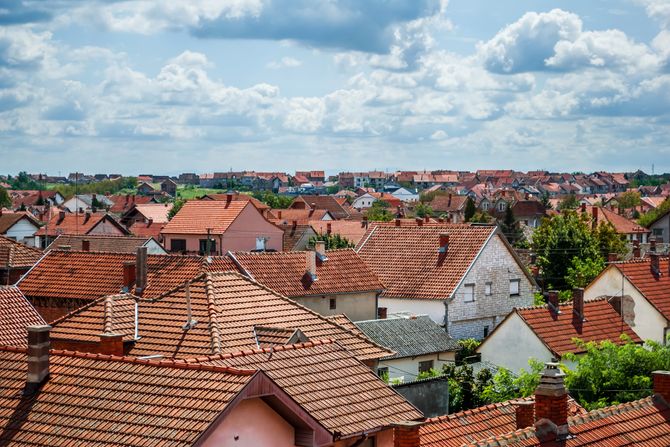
[(22, 231), (356, 306), (406, 369), (661, 229)]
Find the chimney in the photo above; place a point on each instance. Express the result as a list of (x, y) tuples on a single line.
[(407, 434), (128, 275), (551, 405), (141, 270), (552, 301), (594, 223), (85, 245), (310, 264), (636, 249), (39, 344), (382, 313), (583, 207), (279, 214), (111, 344), (311, 211), (444, 244), (397, 222), (612, 257), (329, 228), (426, 218), (294, 224), (61, 217), (419, 221), (150, 222), (525, 413), (652, 244), (449, 201), (365, 221), (578, 304), (662, 384), (87, 216), (655, 264), (440, 219), (320, 249), (229, 198)]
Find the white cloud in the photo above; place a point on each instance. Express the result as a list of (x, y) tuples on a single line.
[(21, 48), (439, 135), (284, 62)]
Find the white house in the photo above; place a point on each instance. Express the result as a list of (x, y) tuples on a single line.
[(466, 277), (20, 226), (405, 195), (363, 201)]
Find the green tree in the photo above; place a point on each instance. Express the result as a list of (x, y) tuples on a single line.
[(629, 199), (333, 241), (570, 202), (505, 385), (648, 218), (176, 206), (609, 241), (423, 210), (468, 347), (379, 212), (510, 227), (481, 217), (582, 271), (5, 201), (544, 200), (470, 209), (24, 182)]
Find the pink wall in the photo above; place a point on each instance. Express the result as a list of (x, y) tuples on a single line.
[(255, 424)]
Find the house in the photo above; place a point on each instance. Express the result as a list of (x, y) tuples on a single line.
[(451, 205), (145, 189), (660, 228), (189, 178), (147, 220), (328, 282), (640, 292), (528, 212), (465, 277), (26, 199), (548, 421), (296, 236), (122, 203), (547, 332), (312, 202), (20, 226), (352, 231), (366, 200), (78, 223), (91, 275), (419, 345), (262, 207), (107, 244), (228, 313), (18, 314), (630, 229), (260, 397), (169, 186), (15, 260), (302, 216), (222, 226), (405, 195), (87, 202)]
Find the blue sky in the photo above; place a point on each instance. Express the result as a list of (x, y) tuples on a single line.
[(207, 85)]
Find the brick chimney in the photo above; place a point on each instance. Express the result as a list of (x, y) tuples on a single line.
[(141, 270), (85, 245), (61, 217), (444, 244), (382, 313), (329, 228), (310, 264), (419, 221), (449, 201), (279, 214), (662, 384), (636, 249), (111, 344), (594, 223), (39, 344), (578, 304), (365, 221), (525, 413), (583, 207), (426, 218), (407, 434), (320, 248), (294, 224), (552, 300), (551, 405), (655, 264), (397, 222), (128, 275), (652, 243), (612, 257)]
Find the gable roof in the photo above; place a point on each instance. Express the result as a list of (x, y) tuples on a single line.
[(409, 337), (99, 243), (621, 224), (238, 197), (16, 255), (77, 223), (197, 216), (90, 275), (227, 306), (285, 272), (407, 261), (147, 230), (353, 231), (293, 234), (656, 289), (328, 203), (8, 220), (123, 203), (301, 216), (156, 212), (17, 315), (601, 322), (448, 202)]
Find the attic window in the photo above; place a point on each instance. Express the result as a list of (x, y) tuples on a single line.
[(514, 287), (469, 293)]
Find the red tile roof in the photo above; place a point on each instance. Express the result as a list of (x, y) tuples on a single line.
[(124, 203), (147, 230), (29, 197), (237, 197), (8, 220), (352, 231), (328, 203), (293, 234), (620, 223), (287, 216), (93, 399), (17, 314), (407, 261), (103, 243), (341, 393), (285, 272), (557, 331), (655, 289), (197, 216), (90, 275), (227, 306), (157, 212), (16, 255), (77, 223)]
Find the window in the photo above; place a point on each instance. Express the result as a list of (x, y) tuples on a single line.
[(469, 293), (514, 287), (260, 243), (383, 372), (485, 206), (501, 206), (425, 366), (178, 245), (486, 331), (333, 304), (487, 289), (203, 246)]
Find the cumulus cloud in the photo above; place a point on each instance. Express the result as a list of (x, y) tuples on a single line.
[(21, 48)]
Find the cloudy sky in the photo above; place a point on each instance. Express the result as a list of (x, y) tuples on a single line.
[(205, 85)]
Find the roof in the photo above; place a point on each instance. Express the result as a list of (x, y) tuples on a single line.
[(8, 220), (147, 230), (112, 401), (91, 275), (123, 203), (353, 404), (16, 255), (77, 223), (352, 231), (639, 423), (557, 331), (457, 429), (17, 314), (409, 337), (328, 203), (30, 197), (293, 234), (655, 289), (284, 272), (528, 208), (449, 202), (99, 242), (237, 197), (157, 212), (302, 216), (199, 216), (620, 223), (227, 306), (407, 261)]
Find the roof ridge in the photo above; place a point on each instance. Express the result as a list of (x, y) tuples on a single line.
[(477, 410), (254, 351)]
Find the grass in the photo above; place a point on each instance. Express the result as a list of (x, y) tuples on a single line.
[(188, 193)]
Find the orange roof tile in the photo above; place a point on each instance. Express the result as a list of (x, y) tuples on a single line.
[(16, 255), (620, 223), (98, 242), (328, 203), (450, 202), (285, 272), (655, 288), (287, 216), (557, 331), (407, 261), (123, 203), (77, 223), (8, 220), (293, 234), (17, 314), (352, 231), (237, 197), (197, 216), (157, 212), (151, 229)]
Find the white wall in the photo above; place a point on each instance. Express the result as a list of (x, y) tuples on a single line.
[(433, 308), (407, 368), (513, 344), (357, 306), (22, 231), (154, 248)]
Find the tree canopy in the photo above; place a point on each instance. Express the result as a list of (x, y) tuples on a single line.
[(5, 201), (470, 209)]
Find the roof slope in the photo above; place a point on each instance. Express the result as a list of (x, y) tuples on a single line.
[(112, 401), (227, 306), (103, 243), (655, 289), (90, 275), (285, 272), (8, 220), (77, 223), (301, 216), (16, 255), (621, 224), (351, 401), (157, 212), (409, 337), (353, 231), (407, 261), (328, 203), (199, 216), (448, 202), (237, 197), (17, 314), (601, 322)]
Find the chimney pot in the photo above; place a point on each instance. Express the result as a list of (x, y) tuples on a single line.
[(419, 221), (594, 223), (39, 344), (578, 304), (61, 217), (111, 344), (397, 222), (278, 214), (525, 414), (87, 216), (85, 245), (655, 264), (426, 218), (382, 313), (552, 300), (310, 261), (662, 384), (141, 270)]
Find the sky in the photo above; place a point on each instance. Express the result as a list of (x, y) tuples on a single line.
[(280, 85)]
